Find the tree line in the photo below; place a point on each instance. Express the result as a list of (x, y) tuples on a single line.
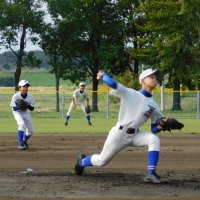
[(31, 59), (85, 36)]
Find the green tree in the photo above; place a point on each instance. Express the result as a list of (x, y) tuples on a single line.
[(129, 79), (31, 60), (95, 37), (171, 41), (132, 20), (50, 42), (20, 20), (57, 41)]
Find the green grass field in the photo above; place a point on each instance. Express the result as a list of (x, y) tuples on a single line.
[(39, 77), (79, 126), (46, 120)]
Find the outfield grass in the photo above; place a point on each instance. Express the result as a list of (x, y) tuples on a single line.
[(42, 78), (79, 126), (46, 120), (38, 77)]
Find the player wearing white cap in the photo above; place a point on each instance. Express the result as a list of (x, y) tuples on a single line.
[(136, 108), (22, 116), (79, 96)]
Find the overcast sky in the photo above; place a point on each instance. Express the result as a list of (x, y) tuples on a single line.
[(29, 45)]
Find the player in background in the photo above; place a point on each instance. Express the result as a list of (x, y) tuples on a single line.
[(135, 109), (79, 96), (23, 117)]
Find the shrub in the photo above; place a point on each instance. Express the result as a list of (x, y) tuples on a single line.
[(7, 81)]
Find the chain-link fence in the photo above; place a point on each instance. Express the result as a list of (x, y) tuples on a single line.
[(189, 104), (108, 106)]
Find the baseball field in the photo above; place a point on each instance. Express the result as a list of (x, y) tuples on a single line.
[(54, 149), (52, 159), (64, 56)]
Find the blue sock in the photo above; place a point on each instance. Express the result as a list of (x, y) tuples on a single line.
[(86, 161), (20, 136), (153, 157), (26, 137), (88, 118), (67, 118)]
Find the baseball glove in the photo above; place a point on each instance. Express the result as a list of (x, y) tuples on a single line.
[(23, 105), (169, 124), (88, 109)]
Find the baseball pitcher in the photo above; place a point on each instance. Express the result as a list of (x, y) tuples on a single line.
[(22, 103), (135, 109)]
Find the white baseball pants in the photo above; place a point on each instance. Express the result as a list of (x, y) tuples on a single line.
[(24, 121), (71, 110), (118, 139)]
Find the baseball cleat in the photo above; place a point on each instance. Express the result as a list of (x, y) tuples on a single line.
[(89, 124), (152, 178), (26, 144), (66, 123), (21, 146), (79, 169)]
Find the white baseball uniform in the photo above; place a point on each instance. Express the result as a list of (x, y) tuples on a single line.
[(80, 97), (23, 118), (135, 110)]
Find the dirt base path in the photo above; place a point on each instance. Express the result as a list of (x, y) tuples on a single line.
[(53, 157)]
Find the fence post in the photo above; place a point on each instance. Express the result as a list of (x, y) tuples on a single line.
[(162, 106), (107, 105), (63, 104), (198, 105)]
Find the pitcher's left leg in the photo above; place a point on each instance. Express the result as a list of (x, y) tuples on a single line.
[(153, 143)]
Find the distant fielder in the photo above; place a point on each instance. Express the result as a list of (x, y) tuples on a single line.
[(79, 96), (22, 102), (136, 108)]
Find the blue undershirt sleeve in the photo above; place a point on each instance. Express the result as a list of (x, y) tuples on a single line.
[(16, 108), (109, 81)]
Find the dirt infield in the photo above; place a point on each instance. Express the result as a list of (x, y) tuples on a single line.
[(52, 157)]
